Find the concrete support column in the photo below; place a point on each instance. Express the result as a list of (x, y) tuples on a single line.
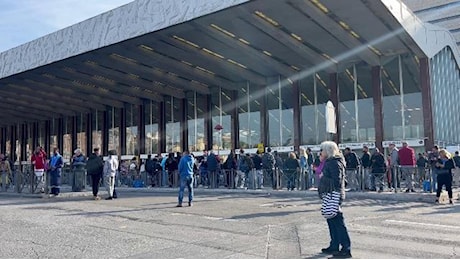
[(3, 140), (141, 128), (122, 132), (296, 114), (23, 141), (13, 137), (208, 128), (47, 137), (74, 133), (378, 105), (105, 132), (35, 136), (333, 86), (235, 122), (60, 134), (264, 132), (183, 124), (425, 85), (162, 127), (89, 133)]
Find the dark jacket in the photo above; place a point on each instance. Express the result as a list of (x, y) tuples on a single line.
[(448, 166), (257, 162), (333, 177), (230, 163), (366, 160), (94, 165), (213, 163), (268, 161), (378, 163), (352, 160), (291, 165), (421, 161)]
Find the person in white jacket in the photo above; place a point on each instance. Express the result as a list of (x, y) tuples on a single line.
[(110, 170)]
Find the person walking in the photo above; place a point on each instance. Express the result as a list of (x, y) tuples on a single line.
[(444, 167), (407, 162), (110, 171), (94, 168), (56, 164), (186, 177), (332, 192)]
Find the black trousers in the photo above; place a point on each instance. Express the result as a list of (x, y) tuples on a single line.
[(444, 179), (95, 181)]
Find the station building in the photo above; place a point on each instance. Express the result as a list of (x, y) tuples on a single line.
[(153, 77)]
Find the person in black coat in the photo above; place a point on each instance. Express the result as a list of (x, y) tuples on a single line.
[(333, 182), (444, 167), (94, 168), (378, 170)]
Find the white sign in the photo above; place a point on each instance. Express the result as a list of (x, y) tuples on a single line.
[(354, 146), (330, 118), (410, 143), (283, 149), (247, 150), (313, 148)]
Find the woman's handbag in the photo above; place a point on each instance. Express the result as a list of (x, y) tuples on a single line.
[(331, 205)]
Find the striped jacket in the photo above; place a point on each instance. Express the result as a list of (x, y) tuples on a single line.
[(331, 205)]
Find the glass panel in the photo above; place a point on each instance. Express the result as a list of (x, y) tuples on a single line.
[(347, 109), (366, 122), (81, 133), (221, 115), (114, 132), (392, 122), (307, 102), (67, 153), (195, 121), (413, 113), (249, 118), (173, 137), (98, 120), (152, 115), (53, 137), (131, 129), (280, 114)]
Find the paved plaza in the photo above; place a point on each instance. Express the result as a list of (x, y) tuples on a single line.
[(221, 224)]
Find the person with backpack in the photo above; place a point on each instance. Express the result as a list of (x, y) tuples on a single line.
[(94, 168)]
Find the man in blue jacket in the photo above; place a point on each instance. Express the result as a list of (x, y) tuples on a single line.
[(186, 177)]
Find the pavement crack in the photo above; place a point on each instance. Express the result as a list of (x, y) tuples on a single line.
[(267, 247), (298, 239)]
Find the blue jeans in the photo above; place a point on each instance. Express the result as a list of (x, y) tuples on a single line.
[(186, 181), (339, 234)]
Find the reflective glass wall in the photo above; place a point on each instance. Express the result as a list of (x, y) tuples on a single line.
[(196, 112), (114, 129), (445, 96), (152, 117), (98, 120), (221, 115), (249, 116), (280, 113), (132, 118), (173, 130)]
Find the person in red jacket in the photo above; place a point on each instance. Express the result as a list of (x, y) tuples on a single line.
[(407, 163), (39, 161)]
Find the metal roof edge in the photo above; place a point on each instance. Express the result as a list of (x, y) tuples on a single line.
[(125, 22)]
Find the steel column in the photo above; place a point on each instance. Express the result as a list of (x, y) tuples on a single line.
[(378, 105), (425, 85)]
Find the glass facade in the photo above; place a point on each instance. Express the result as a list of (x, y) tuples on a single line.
[(81, 133), (280, 113), (445, 95), (221, 109), (173, 131), (67, 146), (196, 112), (132, 120), (98, 120), (152, 115), (114, 129), (249, 116)]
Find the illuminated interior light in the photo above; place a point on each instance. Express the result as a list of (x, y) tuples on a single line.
[(295, 68), (266, 18), (185, 41), (354, 34), (213, 53), (243, 41), (145, 47), (205, 70), (417, 59), (320, 6), (187, 63), (118, 56), (172, 74), (222, 30), (200, 83), (297, 37), (236, 63), (372, 48), (344, 25), (385, 73), (267, 53), (257, 102), (244, 90), (46, 75), (90, 62), (329, 57), (290, 81)]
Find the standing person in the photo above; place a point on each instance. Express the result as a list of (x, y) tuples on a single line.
[(186, 177), (393, 163), (378, 170), (303, 175), (366, 164), (56, 163), (5, 171), (213, 167), (310, 160), (268, 164), (257, 161), (433, 159), (456, 175), (332, 192), (421, 166), (249, 173), (352, 161), (291, 167), (171, 166), (38, 161), (407, 161), (110, 171), (230, 166), (94, 168), (242, 168), (149, 168), (163, 171), (444, 167), (279, 164)]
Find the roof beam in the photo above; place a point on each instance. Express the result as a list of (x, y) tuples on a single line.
[(72, 99), (35, 106), (252, 53), (90, 99), (21, 112), (169, 79), (195, 56), (331, 26), (287, 40)]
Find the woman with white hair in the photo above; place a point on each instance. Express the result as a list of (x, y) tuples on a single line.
[(332, 191)]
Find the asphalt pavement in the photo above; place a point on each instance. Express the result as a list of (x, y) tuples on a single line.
[(144, 223)]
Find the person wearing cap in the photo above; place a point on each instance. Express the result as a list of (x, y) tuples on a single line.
[(407, 162)]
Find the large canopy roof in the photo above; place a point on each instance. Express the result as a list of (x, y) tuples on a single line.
[(149, 49)]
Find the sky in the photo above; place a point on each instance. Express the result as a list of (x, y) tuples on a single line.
[(26, 20)]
